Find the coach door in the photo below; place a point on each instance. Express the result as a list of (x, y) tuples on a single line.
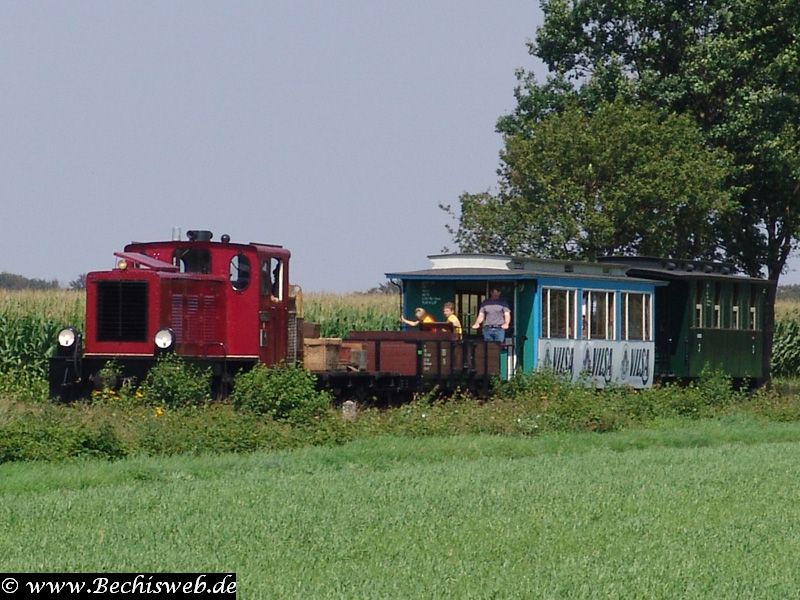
[(468, 298), (272, 309)]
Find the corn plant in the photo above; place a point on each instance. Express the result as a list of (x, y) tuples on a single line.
[(29, 323), (64, 306), (786, 345), (340, 314), (26, 341)]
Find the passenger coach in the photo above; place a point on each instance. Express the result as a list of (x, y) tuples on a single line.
[(708, 316), (587, 321), (625, 320)]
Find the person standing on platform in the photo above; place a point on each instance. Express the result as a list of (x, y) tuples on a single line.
[(495, 317)]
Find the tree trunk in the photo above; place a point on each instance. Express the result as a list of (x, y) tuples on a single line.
[(769, 328)]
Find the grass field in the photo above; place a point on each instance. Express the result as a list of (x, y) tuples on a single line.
[(702, 510)]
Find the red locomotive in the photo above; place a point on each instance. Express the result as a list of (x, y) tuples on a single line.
[(230, 306)]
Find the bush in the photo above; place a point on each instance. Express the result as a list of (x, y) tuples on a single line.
[(775, 404), (282, 392), (716, 388), (299, 415), (213, 428), (565, 406), (54, 434), (173, 382), (114, 390), (25, 384)]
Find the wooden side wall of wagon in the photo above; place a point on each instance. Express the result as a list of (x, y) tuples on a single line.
[(382, 363)]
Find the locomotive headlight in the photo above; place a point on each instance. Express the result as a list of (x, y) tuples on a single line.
[(164, 339), (67, 337)]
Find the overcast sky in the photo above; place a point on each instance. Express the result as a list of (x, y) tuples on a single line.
[(332, 128)]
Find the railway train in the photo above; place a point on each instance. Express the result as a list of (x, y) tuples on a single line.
[(229, 306)]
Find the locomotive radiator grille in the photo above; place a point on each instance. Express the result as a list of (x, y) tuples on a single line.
[(176, 318), (194, 320), (122, 311)]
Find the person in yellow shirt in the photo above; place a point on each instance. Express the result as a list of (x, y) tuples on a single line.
[(422, 318), (450, 316)]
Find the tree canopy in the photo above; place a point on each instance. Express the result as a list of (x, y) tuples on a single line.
[(732, 66), (12, 281), (621, 180), (728, 68)]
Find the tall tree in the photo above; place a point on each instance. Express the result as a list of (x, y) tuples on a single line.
[(621, 180), (733, 66), (79, 283)]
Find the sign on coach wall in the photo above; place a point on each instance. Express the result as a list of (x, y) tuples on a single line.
[(600, 363)]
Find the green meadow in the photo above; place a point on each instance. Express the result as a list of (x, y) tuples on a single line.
[(689, 493), (703, 509)]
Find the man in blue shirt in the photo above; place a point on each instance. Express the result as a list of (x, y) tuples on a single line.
[(495, 316)]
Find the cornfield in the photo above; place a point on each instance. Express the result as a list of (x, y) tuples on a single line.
[(29, 323), (786, 344), (30, 320), (64, 306), (340, 314)]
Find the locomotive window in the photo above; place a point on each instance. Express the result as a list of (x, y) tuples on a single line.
[(192, 260), (272, 278), (598, 315), (753, 308), (717, 307), (735, 322), (240, 272), (636, 315), (558, 313)]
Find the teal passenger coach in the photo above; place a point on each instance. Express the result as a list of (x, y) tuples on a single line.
[(621, 321)]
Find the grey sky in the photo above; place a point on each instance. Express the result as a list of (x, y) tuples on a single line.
[(332, 128)]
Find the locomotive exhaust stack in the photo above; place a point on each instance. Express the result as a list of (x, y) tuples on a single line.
[(199, 235)]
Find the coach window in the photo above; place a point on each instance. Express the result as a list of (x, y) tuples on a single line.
[(598, 315), (698, 304), (753, 307), (735, 323), (717, 305), (636, 316), (240, 272), (558, 313)]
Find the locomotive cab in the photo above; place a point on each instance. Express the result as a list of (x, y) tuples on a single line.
[(219, 304)]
